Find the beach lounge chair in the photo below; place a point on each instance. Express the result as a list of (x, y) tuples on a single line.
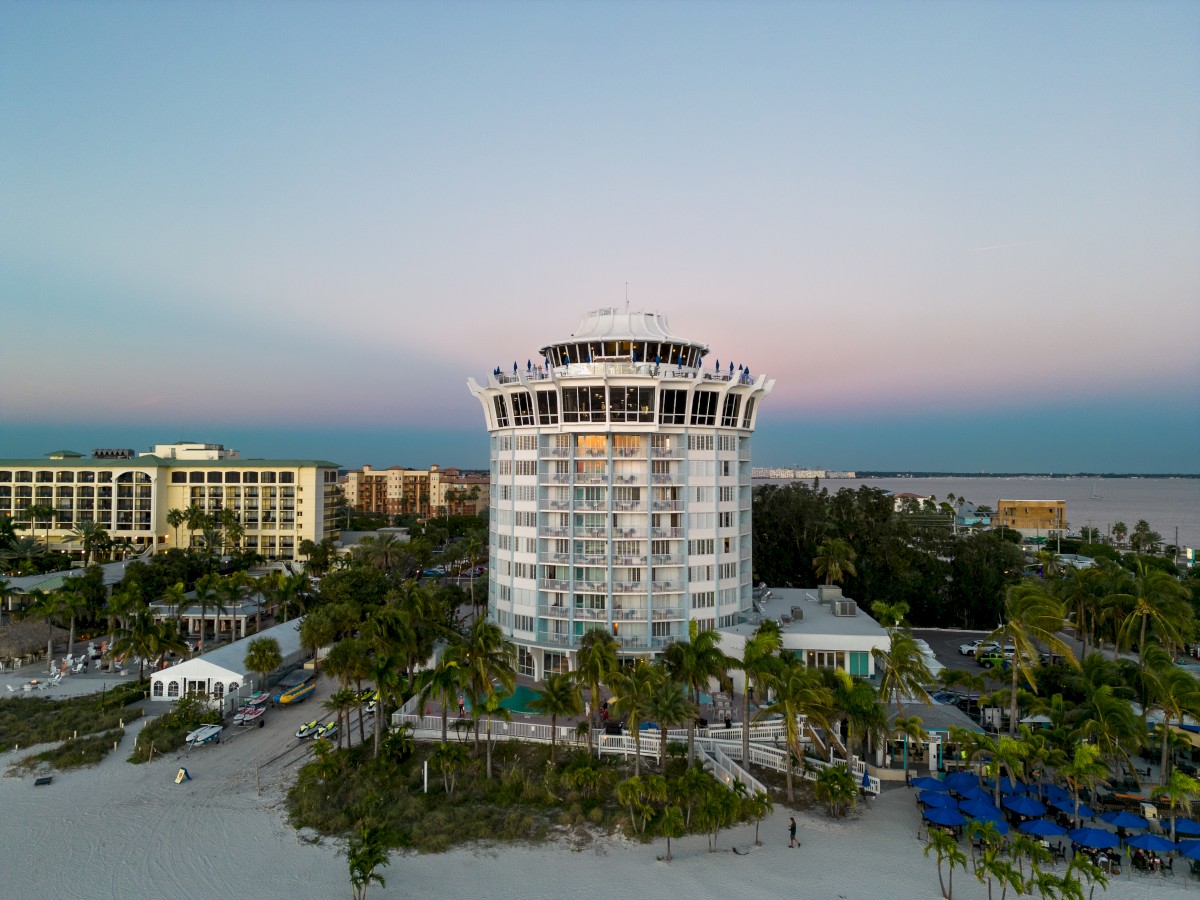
[(11, 689)]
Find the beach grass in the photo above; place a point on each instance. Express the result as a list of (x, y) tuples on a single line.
[(73, 754), (26, 721), (528, 800), (170, 730)]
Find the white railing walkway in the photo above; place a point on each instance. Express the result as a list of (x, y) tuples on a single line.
[(722, 746)]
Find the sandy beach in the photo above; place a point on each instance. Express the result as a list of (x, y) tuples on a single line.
[(120, 830)]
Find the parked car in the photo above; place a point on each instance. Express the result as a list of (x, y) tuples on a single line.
[(969, 648), (995, 659)]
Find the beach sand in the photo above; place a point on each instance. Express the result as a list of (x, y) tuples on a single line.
[(120, 830)]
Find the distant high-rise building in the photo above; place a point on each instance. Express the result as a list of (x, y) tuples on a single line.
[(620, 490)]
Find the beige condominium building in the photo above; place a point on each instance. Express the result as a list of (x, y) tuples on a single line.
[(423, 493), (279, 502), (1046, 518)]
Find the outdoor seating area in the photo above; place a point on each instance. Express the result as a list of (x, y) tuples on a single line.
[(964, 803)]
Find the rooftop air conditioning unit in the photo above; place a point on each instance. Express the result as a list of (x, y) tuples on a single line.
[(845, 608), (798, 613)]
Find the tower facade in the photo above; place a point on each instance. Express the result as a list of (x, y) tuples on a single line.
[(620, 490)]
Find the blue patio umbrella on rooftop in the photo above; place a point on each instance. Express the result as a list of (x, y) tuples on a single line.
[(962, 781), (979, 809), (1054, 792), (926, 783), (1185, 826), (1096, 838), (1024, 806), (1152, 842), (1122, 819), (1190, 849), (933, 798), (1068, 806), (1043, 827), (940, 816)]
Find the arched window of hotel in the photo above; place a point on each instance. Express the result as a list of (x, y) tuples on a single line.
[(214, 478), (218, 689), (501, 410), (267, 477), (250, 478), (158, 687), (65, 476), (749, 412), (104, 477), (172, 688), (233, 686), (5, 475), (522, 408), (87, 477), (196, 477), (704, 408), (141, 477), (547, 402), (287, 477), (45, 476), (179, 478), (24, 476), (729, 414), (125, 478), (233, 477)]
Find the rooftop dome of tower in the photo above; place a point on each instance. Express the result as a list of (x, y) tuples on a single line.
[(611, 324)]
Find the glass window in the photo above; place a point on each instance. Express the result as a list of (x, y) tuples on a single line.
[(547, 402), (179, 478), (250, 478), (196, 477)]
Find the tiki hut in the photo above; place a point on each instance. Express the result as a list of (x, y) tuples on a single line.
[(24, 639)]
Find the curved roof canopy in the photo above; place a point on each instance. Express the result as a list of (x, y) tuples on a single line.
[(613, 326)]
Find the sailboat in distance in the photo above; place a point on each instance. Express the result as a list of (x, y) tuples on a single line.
[(1095, 492)]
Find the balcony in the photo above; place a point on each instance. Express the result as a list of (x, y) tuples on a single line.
[(667, 452), (670, 613), (630, 587), (666, 479), (634, 614), (661, 643), (629, 479), (556, 504), (594, 587), (556, 640), (554, 610), (629, 452), (629, 560), (556, 532), (554, 584), (667, 506), (592, 505), (591, 479), (629, 506), (557, 452), (667, 587), (667, 532), (665, 560), (591, 532)]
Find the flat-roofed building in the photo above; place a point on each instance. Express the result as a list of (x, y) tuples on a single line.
[(1033, 518), (421, 493), (278, 502), (620, 490)]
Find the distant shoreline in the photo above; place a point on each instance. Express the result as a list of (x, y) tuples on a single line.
[(860, 474)]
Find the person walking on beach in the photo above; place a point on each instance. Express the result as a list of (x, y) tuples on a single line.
[(792, 842)]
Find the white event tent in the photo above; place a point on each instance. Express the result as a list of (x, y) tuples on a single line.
[(221, 674)]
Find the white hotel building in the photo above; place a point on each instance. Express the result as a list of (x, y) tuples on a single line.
[(620, 490)]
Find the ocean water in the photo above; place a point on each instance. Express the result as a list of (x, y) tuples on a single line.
[(1166, 503)]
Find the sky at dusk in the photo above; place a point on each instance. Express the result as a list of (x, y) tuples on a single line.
[(959, 236)]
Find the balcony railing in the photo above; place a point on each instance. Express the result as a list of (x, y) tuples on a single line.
[(556, 640), (667, 587), (667, 452), (667, 506), (670, 613), (666, 560), (591, 479), (630, 587), (667, 532)]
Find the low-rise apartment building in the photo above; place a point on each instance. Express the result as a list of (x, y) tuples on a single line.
[(422, 493)]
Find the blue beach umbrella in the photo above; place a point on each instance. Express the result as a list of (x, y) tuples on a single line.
[(979, 809), (1068, 806), (1024, 806), (1185, 826), (926, 783), (1097, 838), (962, 781), (976, 793), (1122, 819), (1042, 827), (1007, 785), (1190, 849), (1054, 792), (1151, 842), (948, 817), (933, 798)]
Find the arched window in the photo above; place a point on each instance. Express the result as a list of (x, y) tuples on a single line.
[(233, 686), (158, 687), (218, 689), (172, 688)]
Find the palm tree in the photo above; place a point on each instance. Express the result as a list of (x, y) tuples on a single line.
[(1175, 693), (760, 658), (450, 758), (634, 695), (41, 511), (175, 518), (911, 728), (595, 662), (670, 824), (1111, 724), (487, 658), (340, 703), (71, 604), (1179, 790), (696, 662), (1089, 870), (837, 787), (1159, 599), (388, 554), (1085, 768), (993, 866), (905, 672), (147, 640), (91, 535), (1034, 617), (559, 696), (206, 597), (263, 656), (197, 520), (1119, 530), (835, 560), (669, 706), (946, 847), (350, 662), (366, 851), (443, 681), (799, 693)]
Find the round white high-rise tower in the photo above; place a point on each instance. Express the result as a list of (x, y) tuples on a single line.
[(620, 490)]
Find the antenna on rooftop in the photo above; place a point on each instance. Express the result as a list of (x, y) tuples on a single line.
[(627, 298)]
